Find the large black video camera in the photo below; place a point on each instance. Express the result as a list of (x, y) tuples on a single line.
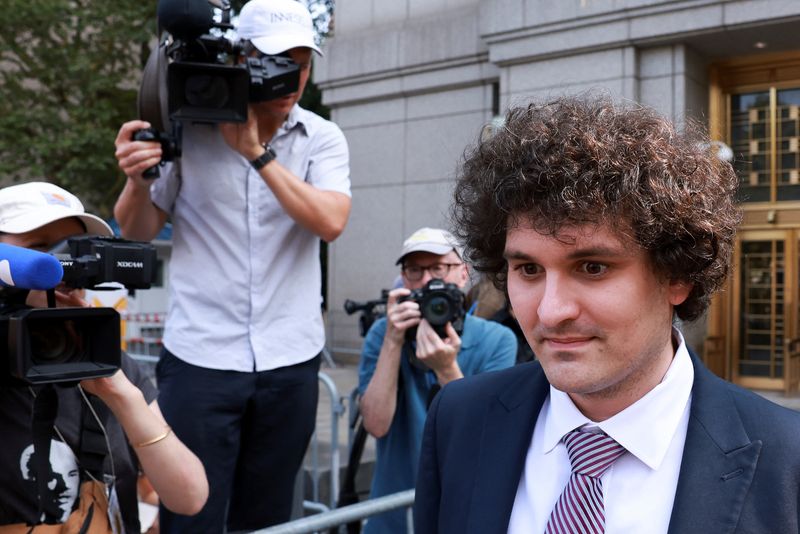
[(52, 345), (209, 77)]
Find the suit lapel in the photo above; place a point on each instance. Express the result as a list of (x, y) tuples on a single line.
[(719, 461), (510, 419)]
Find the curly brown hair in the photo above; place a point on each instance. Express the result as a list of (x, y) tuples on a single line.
[(586, 160)]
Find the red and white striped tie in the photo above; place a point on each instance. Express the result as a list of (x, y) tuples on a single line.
[(579, 509)]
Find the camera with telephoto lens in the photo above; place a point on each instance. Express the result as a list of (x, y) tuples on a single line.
[(440, 303), (66, 345)]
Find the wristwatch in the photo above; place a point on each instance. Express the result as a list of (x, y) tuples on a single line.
[(263, 159)]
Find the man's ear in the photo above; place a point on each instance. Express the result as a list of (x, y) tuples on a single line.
[(678, 291)]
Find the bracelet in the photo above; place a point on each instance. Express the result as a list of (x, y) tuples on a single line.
[(156, 439)]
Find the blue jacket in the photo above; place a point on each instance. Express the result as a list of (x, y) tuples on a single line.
[(740, 471)]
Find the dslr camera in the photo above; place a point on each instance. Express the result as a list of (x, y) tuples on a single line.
[(440, 303), (56, 345)]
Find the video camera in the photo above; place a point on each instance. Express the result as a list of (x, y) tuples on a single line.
[(52, 345), (209, 77), (370, 311)]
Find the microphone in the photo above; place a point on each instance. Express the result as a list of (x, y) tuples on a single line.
[(28, 269), (185, 19)]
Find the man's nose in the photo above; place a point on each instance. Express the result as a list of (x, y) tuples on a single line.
[(426, 276), (559, 301)]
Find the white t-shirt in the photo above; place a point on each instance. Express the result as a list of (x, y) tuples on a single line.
[(245, 280)]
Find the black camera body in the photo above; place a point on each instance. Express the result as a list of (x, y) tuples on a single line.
[(57, 345), (440, 303)]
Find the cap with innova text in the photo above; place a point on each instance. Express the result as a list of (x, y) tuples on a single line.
[(275, 26), (29, 206), (433, 240)]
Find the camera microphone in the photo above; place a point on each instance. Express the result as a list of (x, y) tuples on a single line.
[(185, 19), (28, 269)]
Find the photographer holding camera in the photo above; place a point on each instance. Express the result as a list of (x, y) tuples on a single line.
[(38, 216), (405, 361), (249, 203)]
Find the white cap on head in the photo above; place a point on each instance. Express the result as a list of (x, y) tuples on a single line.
[(275, 26), (433, 240), (29, 206)]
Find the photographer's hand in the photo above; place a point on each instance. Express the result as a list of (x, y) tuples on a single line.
[(400, 316), (439, 354), (135, 157), (138, 217), (321, 212), (379, 403), (244, 137), (174, 471)]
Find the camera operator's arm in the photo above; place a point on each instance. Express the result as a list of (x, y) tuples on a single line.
[(379, 402), (322, 212), (439, 354), (174, 471), (138, 217)]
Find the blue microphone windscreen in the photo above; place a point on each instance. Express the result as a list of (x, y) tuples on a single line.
[(28, 269)]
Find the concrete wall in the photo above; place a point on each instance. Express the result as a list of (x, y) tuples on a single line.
[(412, 82)]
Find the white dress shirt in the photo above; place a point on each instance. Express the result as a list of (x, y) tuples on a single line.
[(244, 280), (639, 488)]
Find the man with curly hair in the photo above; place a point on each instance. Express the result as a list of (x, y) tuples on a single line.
[(604, 224)]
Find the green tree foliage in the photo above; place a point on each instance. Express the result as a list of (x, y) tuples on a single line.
[(69, 75), (69, 72)]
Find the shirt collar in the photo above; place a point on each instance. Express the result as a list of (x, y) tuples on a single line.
[(295, 119), (646, 427)]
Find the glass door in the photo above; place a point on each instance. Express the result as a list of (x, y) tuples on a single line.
[(765, 289)]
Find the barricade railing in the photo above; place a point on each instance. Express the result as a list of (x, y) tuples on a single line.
[(337, 410), (348, 514)]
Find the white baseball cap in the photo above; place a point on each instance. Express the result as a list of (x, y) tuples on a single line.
[(275, 26), (433, 240), (29, 206)]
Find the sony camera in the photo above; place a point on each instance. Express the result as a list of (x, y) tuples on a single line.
[(56, 345), (211, 78)]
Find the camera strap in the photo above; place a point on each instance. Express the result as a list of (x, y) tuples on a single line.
[(45, 409), (93, 446)]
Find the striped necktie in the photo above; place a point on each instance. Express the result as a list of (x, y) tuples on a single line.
[(579, 509)]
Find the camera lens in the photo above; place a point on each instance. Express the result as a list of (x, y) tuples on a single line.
[(437, 310), (54, 342), (207, 91)]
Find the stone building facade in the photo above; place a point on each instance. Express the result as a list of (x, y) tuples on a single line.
[(412, 83)]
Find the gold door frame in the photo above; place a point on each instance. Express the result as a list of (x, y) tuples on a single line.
[(742, 74), (789, 238)]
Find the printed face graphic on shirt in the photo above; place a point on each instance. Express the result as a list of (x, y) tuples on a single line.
[(65, 479)]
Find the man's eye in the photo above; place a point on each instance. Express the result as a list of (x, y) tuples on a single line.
[(594, 268), (529, 269)]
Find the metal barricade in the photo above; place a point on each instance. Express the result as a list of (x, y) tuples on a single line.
[(337, 411), (348, 514)]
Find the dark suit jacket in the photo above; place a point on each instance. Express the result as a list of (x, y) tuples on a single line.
[(740, 471)]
